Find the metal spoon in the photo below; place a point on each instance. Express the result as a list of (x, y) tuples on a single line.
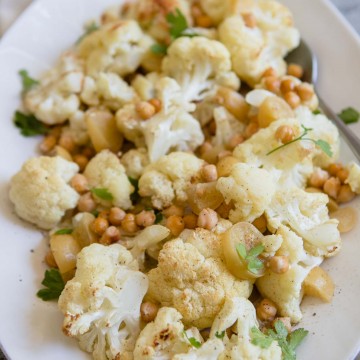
[(304, 56)]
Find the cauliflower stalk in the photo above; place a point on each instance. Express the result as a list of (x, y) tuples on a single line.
[(168, 178), (135, 162), (101, 304), (192, 277), (41, 192)]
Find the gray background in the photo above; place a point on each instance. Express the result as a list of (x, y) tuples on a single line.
[(350, 9)]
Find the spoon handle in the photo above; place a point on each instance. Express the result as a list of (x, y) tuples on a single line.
[(351, 139)]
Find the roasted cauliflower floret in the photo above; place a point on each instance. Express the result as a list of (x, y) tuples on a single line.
[(101, 304), (41, 192), (78, 129), (135, 161), (354, 177), (285, 290), (117, 47), (105, 171), (239, 313), (167, 179), (250, 189), (56, 98), (199, 64), (256, 49), (194, 279)]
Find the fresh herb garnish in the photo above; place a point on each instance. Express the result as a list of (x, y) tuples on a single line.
[(258, 338), (220, 335), (317, 112), (349, 115), (88, 30), (27, 81), (195, 343), (64, 231), (29, 125), (178, 27), (54, 285), (322, 144), (95, 213), (158, 217), (254, 264), (134, 197), (102, 193)]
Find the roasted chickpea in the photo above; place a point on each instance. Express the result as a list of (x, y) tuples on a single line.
[(145, 218), (345, 194), (110, 236), (129, 224), (116, 216), (81, 160), (249, 20), (279, 264), (148, 311), (99, 225), (67, 142), (204, 21), (342, 175), (86, 203), (175, 224), (145, 110), (209, 173), (156, 103), (48, 144), (190, 221), (318, 178), (79, 183), (270, 72), (207, 219), (235, 141), (305, 91), (332, 187), (272, 83), (284, 134), (287, 85), (251, 129), (295, 70), (266, 310), (293, 99), (334, 168), (173, 210)]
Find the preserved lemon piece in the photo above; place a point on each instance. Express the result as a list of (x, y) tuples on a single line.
[(225, 165), (242, 236), (347, 217), (204, 195), (273, 108), (319, 284), (82, 232)]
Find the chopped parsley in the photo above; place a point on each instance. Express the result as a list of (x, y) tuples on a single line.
[(254, 264), (195, 343), (258, 338), (27, 81), (102, 193), (220, 335), (64, 231), (349, 115), (322, 144), (134, 197), (158, 217), (317, 112), (29, 125), (88, 30), (54, 285)]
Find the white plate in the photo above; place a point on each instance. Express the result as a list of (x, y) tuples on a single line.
[(31, 329)]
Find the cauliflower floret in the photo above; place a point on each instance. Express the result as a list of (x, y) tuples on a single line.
[(199, 64), (78, 128), (240, 311), (117, 47), (286, 289), (102, 302), (219, 10), (194, 279), (167, 179), (210, 350), (56, 98), (106, 172), (354, 177), (171, 128), (135, 161), (41, 192), (151, 15), (255, 49), (306, 214), (251, 190)]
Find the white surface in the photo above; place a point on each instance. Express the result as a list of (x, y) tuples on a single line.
[(30, 328)]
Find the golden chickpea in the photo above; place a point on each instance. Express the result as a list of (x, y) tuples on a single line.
[(224, 153), (212, 128), (345, 194), (110, 236), (67, 142), (145, 218), (81, 160), (173, 210), (342, 175), (295, 70), (116, 216), (225, 165), (332, 187), (293, 99), (156, 103), (209, 173), (99, 225), (47, 144), (334, 168), (190, 221), (318, 178), (205, 333), (233, 101), (235, 141), (305, 91), (279, 264), (50, 260), (285, 320), (129, 224), (86, 203), (56, 131), (148, 311), (204, 21), (207, 219), (249, 20), (260, 223), (224, 210), (284, 134), (196, 11), (104, 214), (175, 224), (251, 129), (270, 72), (287, 85), (79, 183), (145, 110), (272, 84), (88, 152), (205, 147), (266, 310)]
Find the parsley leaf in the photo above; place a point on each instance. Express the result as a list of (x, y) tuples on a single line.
[(54, 285), (27, 81), (349, 115), (324, 146), (29, 125), (195, 343), (296, 337), (158, 217), (177, 23), (258, 338), (220, 335), (317, 112), (159, 49), (64, 231), (88, 30), (134, 197), (254, 264), (102, 193)]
